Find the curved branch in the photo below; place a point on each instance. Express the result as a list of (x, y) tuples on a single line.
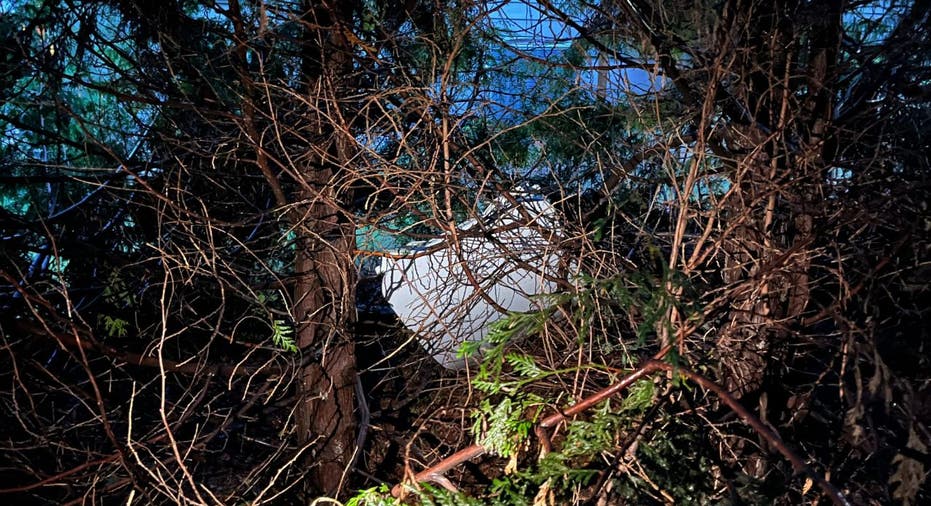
[(436, 472), (770, 435), (69, 341)]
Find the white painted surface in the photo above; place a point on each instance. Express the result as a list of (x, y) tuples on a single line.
[(433, 295)]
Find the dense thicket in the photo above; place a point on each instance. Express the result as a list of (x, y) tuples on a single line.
[(742, 190)]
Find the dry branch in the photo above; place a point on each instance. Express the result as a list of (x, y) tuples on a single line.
[(436, 473), (87, 343)]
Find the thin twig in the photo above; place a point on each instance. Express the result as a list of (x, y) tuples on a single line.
[(771, 436), (436, 473)]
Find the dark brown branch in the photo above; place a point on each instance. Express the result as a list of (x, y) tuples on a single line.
[(68, 341), (62, 475), (436, 472), (644, 370), (770, 435)]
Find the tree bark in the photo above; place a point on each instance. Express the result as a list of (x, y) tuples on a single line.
[(325, 291), (770, 254), (325, 295)]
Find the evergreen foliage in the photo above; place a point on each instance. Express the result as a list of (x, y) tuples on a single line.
[(186, 189)]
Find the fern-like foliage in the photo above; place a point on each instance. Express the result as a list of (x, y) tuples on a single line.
[(115, 327), (283, 336), (425, 494), (375, 496), (502, 427)]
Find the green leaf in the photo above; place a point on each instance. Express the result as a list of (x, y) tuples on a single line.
[(375, 496), (115, 327), (639, 396), (524, 365), (502, 428), (282, 336)]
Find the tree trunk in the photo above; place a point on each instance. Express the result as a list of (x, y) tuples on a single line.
[(770, 253), (325, 292), (325, 295)]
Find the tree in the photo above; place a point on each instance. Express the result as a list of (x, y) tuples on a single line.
[(243, 119), (753, 259), (741, 193)]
